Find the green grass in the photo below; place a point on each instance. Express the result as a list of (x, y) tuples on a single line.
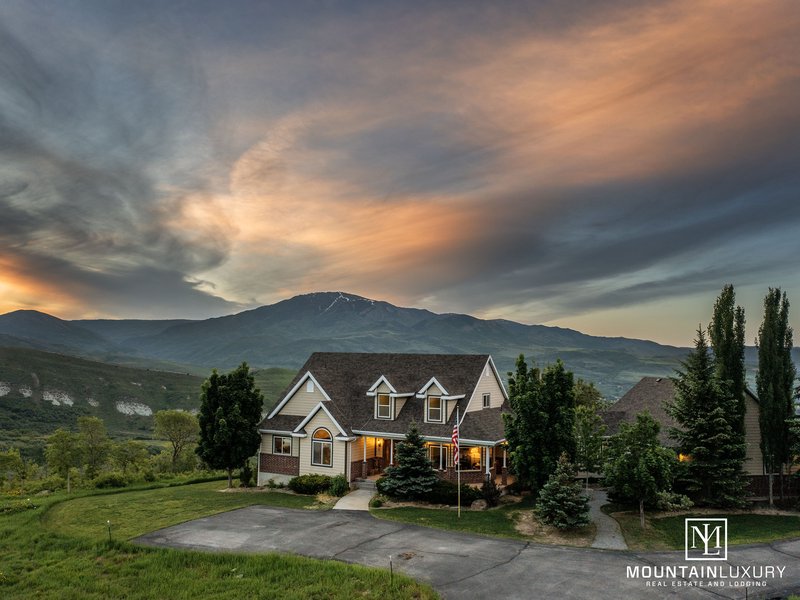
[(666, 533), (497, 522), (55, 551)]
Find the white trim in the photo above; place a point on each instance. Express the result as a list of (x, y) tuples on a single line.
[(422, 394), (313, 412), (459, 397), (321, 441), (278, 431), (282, 437), (292, 392), (442, 410), (377, 384), (489, 362), (341, 438), (405, 395), (299, 435)]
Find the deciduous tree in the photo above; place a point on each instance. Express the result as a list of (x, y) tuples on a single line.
[(95, 444), (180, 428), (230, 411), (774, 382), (63, 452)]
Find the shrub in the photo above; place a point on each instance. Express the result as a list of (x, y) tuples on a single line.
[(310, 484), (670, 501), (445, 492), (148, 475), (490, 493), (376, 502), (246, 475), (17, 506), (339, 486), (112, 479), (561, 501), (51, 484)]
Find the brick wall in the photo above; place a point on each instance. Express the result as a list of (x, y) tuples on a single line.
[(466, 476), (279, 463)]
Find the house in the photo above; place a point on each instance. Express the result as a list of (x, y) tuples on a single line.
[(654, 393), (343, 413)]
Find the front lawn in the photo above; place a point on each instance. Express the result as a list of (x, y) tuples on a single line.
[(500, 522), (60, 550), (667, 533)]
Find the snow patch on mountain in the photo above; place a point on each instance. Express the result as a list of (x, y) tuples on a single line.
[(57, 398), (134, 408), (4, 388)]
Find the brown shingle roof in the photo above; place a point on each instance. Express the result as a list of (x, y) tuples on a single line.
[(346, 377), (650, 394)]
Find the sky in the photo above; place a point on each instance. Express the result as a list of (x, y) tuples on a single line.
[(604, 166)]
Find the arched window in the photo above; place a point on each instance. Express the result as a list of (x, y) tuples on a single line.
[(322, 448)]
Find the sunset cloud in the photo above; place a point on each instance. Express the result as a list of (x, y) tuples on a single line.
[(537, 161)]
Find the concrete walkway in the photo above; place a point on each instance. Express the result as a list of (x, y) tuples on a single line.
[(463, 565), (355, 500), (608, 534)]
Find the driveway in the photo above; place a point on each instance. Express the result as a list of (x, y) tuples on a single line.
[(468, 566)]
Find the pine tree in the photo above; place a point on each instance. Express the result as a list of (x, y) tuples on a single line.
[(726, 335), (230, 410), (702, 408), (561, 501), (638, 466), (774, 382), (413, 475), (541, 423)]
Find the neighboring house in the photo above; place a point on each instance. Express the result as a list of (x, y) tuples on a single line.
[(653, 393), (344, 413)]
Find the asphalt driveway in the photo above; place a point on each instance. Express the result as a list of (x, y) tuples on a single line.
[(469, 566)]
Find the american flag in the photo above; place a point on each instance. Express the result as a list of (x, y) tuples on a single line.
[(455, 443)]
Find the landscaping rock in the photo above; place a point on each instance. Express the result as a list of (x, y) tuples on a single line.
[(478, 505), (43, 493)]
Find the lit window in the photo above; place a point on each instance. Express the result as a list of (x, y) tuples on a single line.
[(384, 406), (469, 459), (435, 409), (322, 448), (439, 455), (281, 445), (487, 400)]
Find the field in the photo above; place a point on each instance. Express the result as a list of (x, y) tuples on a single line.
[(60, 549)]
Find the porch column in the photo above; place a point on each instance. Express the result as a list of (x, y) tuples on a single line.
[(391, 452), (488, 466), (504, 457), (365, 449)]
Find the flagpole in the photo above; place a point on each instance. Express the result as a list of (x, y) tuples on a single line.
[(458, 463)]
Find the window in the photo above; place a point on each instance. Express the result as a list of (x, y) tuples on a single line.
[(435, 409), (310, 385), (487, 400), (469, 459), (322, 448), (439, 455), (281, 444), (384, 406)]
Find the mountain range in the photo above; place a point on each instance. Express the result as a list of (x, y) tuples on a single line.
[(285, 333)]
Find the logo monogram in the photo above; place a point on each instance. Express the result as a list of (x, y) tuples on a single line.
[(706, 539)]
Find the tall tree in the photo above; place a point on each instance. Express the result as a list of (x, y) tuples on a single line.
[(702, 407), (561, 501), (638, 466), (774, 382), (541, 423), (230, 410), (413, 475), (95, 444), (63, 452), (726, 334), (179, 427)]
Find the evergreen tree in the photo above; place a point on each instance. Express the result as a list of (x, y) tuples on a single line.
[(702, 408), (541, 423), (561, 501), (638, 467), (413, 475), (774, 382), (230, 410), (726, 335)]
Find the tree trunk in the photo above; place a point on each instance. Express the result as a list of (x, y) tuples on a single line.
[(230, 477), (783, 465), (641, 513)]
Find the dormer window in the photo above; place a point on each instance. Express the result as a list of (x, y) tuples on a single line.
[(384, 403), (435, 411), (487, 400)]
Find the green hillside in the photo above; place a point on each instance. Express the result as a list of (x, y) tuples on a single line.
[(41, 391)]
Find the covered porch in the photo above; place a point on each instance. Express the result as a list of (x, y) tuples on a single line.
[(372, 454)]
